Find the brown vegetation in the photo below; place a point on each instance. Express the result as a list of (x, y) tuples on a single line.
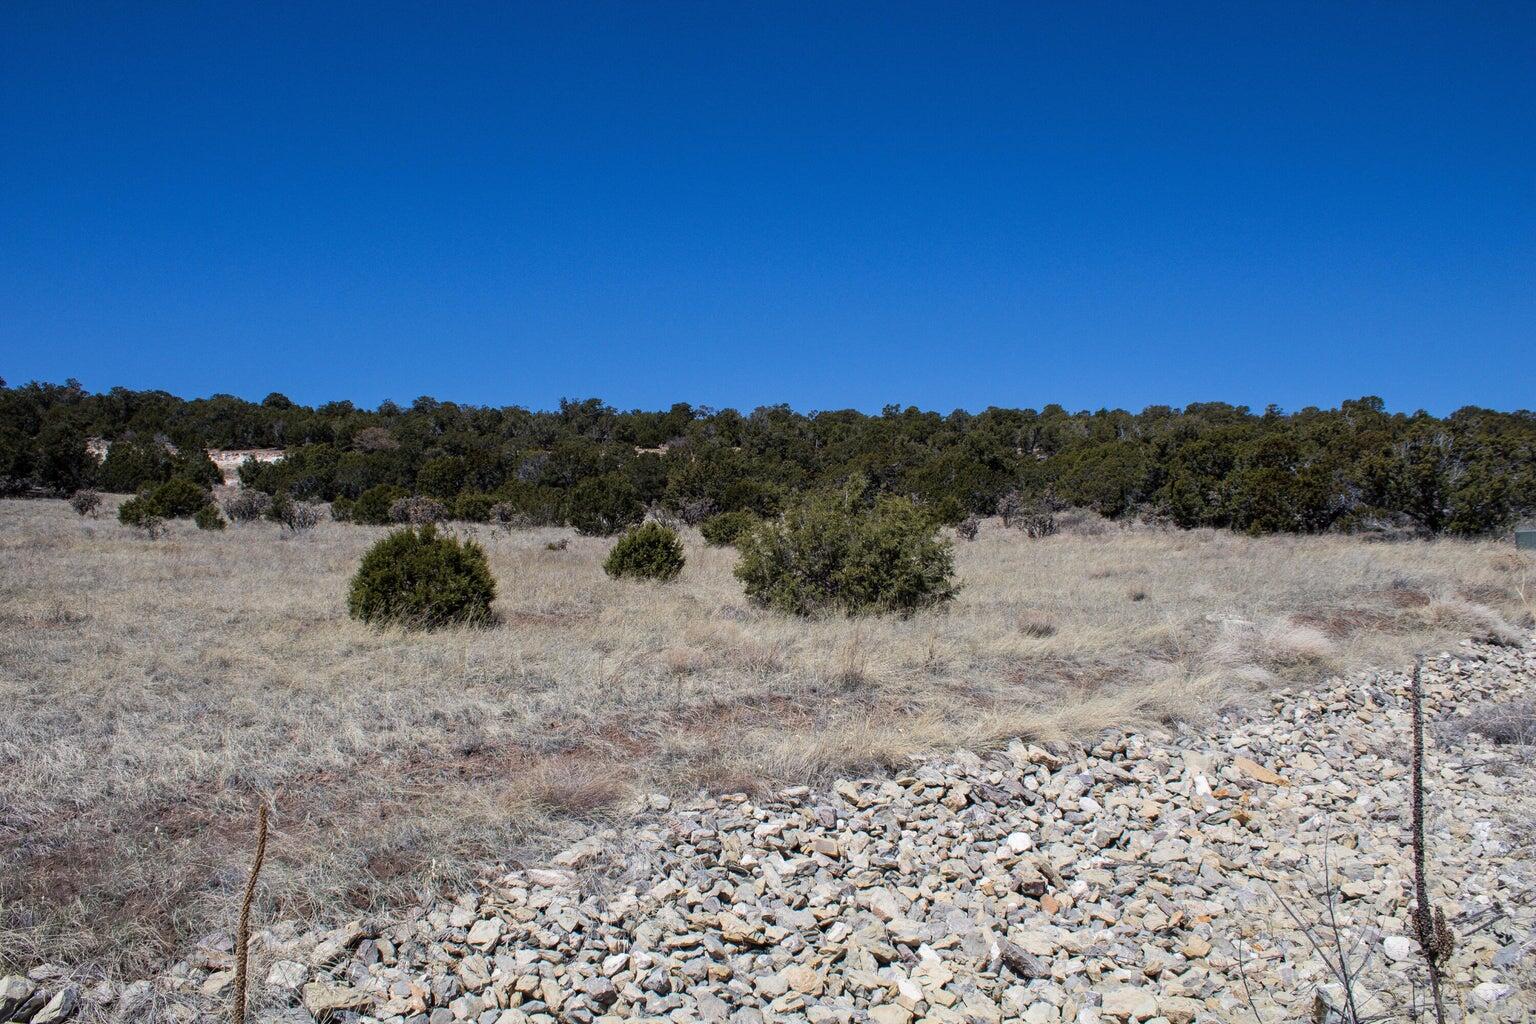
[(150, 690)]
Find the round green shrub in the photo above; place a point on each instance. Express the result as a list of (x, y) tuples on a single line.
[(139, 511), (829, 553), (179, 498), (603, 505), (208, 518), (341, 509), (649, 551), (726, 528), (419, 578)]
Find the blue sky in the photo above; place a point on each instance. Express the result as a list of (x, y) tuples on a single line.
[(831, 205)]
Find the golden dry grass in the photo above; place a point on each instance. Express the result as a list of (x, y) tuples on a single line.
[(151, 690)]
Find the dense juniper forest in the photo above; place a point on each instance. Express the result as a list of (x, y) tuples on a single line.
[(1357, 468)]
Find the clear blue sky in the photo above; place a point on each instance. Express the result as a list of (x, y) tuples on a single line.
[(833, 205)]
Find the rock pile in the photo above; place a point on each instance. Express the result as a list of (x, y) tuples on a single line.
[(1206, 875)]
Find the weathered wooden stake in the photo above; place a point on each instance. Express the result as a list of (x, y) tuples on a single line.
[(243, 932), (1434, 934)]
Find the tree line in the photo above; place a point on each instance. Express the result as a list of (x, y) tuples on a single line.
[(1356, 467)]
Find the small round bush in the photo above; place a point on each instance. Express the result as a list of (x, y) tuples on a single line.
[(208, 518), (341, 509), (830, 553), (726, 528), (420, 578), (649, 551), (85, 503)]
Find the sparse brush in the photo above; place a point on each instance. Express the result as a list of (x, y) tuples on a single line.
[(694, 511), (967, 528), (1037, 521), (656, 512), (374, 439), (301, 516), (85, 503), (1510, 724), (1009, 506), (1083, 522), (507, 516), (418, 511), (247, 506)]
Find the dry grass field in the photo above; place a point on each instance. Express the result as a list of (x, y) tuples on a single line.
[(151, 690)]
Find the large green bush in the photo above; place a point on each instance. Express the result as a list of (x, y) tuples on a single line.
[(726, 528), (649, 551), (830, 553), (420, 578)]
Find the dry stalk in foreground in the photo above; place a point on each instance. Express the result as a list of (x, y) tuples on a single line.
[(1434, 934), (243, 932)]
